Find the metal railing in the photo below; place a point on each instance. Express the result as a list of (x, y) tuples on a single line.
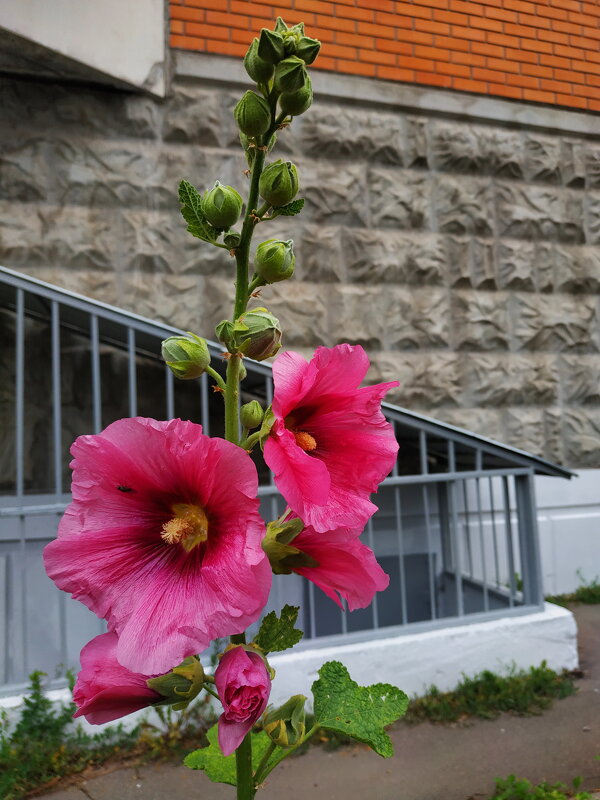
[(456, 530)]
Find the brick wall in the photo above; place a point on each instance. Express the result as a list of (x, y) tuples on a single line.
[(545, 52)]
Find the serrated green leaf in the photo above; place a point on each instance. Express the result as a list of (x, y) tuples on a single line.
[(278, 633), (220, 768), (197, 224), (291, 209), (358, 711)]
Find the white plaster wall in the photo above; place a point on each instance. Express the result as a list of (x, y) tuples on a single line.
[(569, 526), (125, 40), (416, 661)]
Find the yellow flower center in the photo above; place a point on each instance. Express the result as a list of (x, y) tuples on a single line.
[(188, 527), (305, 441)]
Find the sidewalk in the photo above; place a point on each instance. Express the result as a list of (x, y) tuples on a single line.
[(432, 762)]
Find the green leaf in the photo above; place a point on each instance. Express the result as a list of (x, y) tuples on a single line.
[(197, 224), (361, 712), (291, 209), (220, 768), (279, 633)]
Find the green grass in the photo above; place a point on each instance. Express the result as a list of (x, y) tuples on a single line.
[(586, 592), (513, 788)]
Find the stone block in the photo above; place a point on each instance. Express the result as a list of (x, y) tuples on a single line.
[(463, 206), (593, 218), (416, 319), (470, 262), (427, 380), (335, 193), (539, 212), (525, 428), (352, 133), (494, 379), (193, 116), (415, 142), (582, 434), (573, 163), (21, 235), (358, 316), (542, 158), (26, 173), (388, 257), (577, 269), (320, 255), (592, 165), (399, 198), (303, 309), (516, 265), (580, 379), (480, 321), (458, 147), (483, 421), (555, 322)]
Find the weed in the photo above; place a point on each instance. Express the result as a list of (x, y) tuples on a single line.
[(513, 788), (586, 592)]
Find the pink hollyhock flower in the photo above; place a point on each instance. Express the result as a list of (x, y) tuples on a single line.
[(104, 690), (346, 566), (330, 445), (244, 685), (163, 539)]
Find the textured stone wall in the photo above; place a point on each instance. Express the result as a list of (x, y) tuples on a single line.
[(465, 257)]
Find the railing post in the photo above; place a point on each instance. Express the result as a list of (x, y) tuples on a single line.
[(529, 545)]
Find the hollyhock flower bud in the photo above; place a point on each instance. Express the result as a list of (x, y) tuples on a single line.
[(180, 686), (105, 690), (275, 260), (232, 240), (296, 103), (279, 183), (251, 414), (186, 356), (252, 114), (286, 725), (258, 69), (308, 49), (290, 74), (222, 205), (243, 684), (256, 334), (270, 46)]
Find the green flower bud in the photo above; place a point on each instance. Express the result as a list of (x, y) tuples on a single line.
[(251, 414), (252, 114), (275, 260), (186, 356), (286, 725), (280, 551), (224, 331), (270, 46), (257, 68), (181, 685), (296, 103), (280, 25), (279, 183), (221, 205), (256, 334), (308, 49), (232, 240), (290, 74)]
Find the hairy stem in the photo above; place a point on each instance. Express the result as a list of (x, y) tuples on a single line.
[(243, 763), (232, 393), (258, 775)]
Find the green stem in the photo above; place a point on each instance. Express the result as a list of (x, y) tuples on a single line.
[(216, 378), (243, 763), (255, 283), (285, 753), (242, 253), (210, 691), (232, 392), (258, 775)]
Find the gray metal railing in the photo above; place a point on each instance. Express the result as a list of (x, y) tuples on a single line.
[(456, 530)]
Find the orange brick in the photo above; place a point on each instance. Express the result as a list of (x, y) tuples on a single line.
[(592, 56), (580, 89), (556, 86), (435, 79), (245, 37), (207, 31), (520, 5), (228, 20), (434, 53), (410, 62), (322, 34), (555, 61), (503, 65), (391, 46), (594, 105), (523, 31), (396, 74), (593, 9), (467, 7), (544, 10), (537, 96), (214, 5), (355, 40), (521, 55), (570, 76), (433, 3), (505, 91), (394, 20), (186, 43), (504, 41), (451, 17), (176, 26), (373, 57), (418, 37), (336, 23), (429, 25), (567, 27), (538, 72), (226, 48), (580, 66), (553, 36), (355, 68), (349, 12), (570, 100), (242, 7), (501, 14), (452, 43), (377, 5), (470, 86), (535, 21), (337, 51), (566, 51), (324, 63), (583, 43), (468, 33), (468, 58), (487, 49), (456, 70), (318, 6), (376, 30), (190, 14), (537, 46), (489, 75), (412, 10), (488, 24), (525, 81)]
